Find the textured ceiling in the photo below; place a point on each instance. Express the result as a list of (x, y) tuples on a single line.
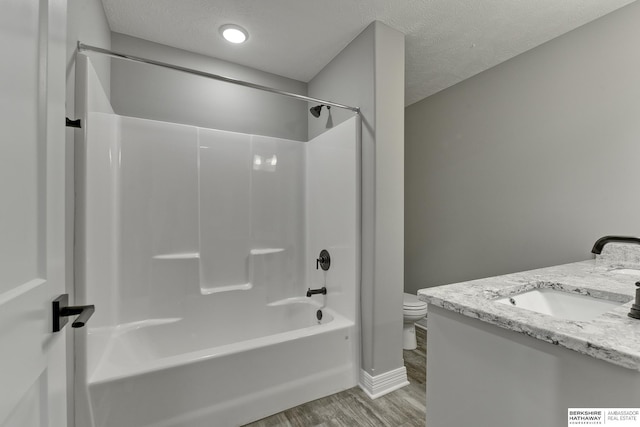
[(447, 41)]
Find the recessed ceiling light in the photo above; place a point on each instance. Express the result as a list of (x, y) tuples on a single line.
[(234, 33)]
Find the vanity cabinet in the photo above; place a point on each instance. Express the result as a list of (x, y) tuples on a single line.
[(483, 375)]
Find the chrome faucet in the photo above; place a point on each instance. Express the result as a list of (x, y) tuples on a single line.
[(597, 247)]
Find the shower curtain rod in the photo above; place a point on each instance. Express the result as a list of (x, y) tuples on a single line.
[(84, 47)]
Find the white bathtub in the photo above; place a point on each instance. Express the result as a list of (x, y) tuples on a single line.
[(194, 324), (192, 372)]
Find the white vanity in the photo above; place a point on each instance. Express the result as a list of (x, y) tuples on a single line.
[(520, 349)]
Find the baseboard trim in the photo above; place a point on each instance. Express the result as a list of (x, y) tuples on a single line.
[(379, 385)]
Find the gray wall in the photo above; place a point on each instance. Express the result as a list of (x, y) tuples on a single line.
[(369, 73), (160, 94), (527, 164)]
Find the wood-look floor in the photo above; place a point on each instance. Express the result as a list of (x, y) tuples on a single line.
[(353, 408)]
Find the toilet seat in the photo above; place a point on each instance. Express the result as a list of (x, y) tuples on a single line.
[(411, 302), (412, 307)]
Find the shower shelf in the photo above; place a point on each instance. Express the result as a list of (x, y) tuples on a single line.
[(266, 251), (181, 255), (240, 287)]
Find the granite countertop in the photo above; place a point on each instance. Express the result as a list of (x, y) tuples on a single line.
[(613, 336)]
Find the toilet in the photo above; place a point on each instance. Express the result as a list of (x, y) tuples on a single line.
[(412, 310)]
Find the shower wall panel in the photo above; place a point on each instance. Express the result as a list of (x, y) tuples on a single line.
[(251, 213), (225, 209), (187, 212), (333, 204), (98, 218), (277, 220), (159, 216)]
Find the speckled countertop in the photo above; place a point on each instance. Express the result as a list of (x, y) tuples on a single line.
[(613, 336)]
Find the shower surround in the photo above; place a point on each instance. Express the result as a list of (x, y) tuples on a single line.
[(197, 247)]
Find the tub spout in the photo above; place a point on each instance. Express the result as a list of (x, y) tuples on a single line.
[(322, 290)]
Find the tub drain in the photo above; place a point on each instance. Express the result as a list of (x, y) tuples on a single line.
[(319, 315)]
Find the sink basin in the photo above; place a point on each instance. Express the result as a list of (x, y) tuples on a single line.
[(560, 304), (629, 271)]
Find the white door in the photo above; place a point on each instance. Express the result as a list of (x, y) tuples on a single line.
[(32, 197)]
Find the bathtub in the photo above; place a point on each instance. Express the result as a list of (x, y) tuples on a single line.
[(190, 372), (200, 316)]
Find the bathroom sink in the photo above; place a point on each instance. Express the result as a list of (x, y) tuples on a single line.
[(560, 304), (629, 271)]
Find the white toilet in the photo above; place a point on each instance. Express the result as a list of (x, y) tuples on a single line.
[(413, 310)]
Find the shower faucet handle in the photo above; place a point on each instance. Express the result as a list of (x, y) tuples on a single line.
[(324, 260)]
